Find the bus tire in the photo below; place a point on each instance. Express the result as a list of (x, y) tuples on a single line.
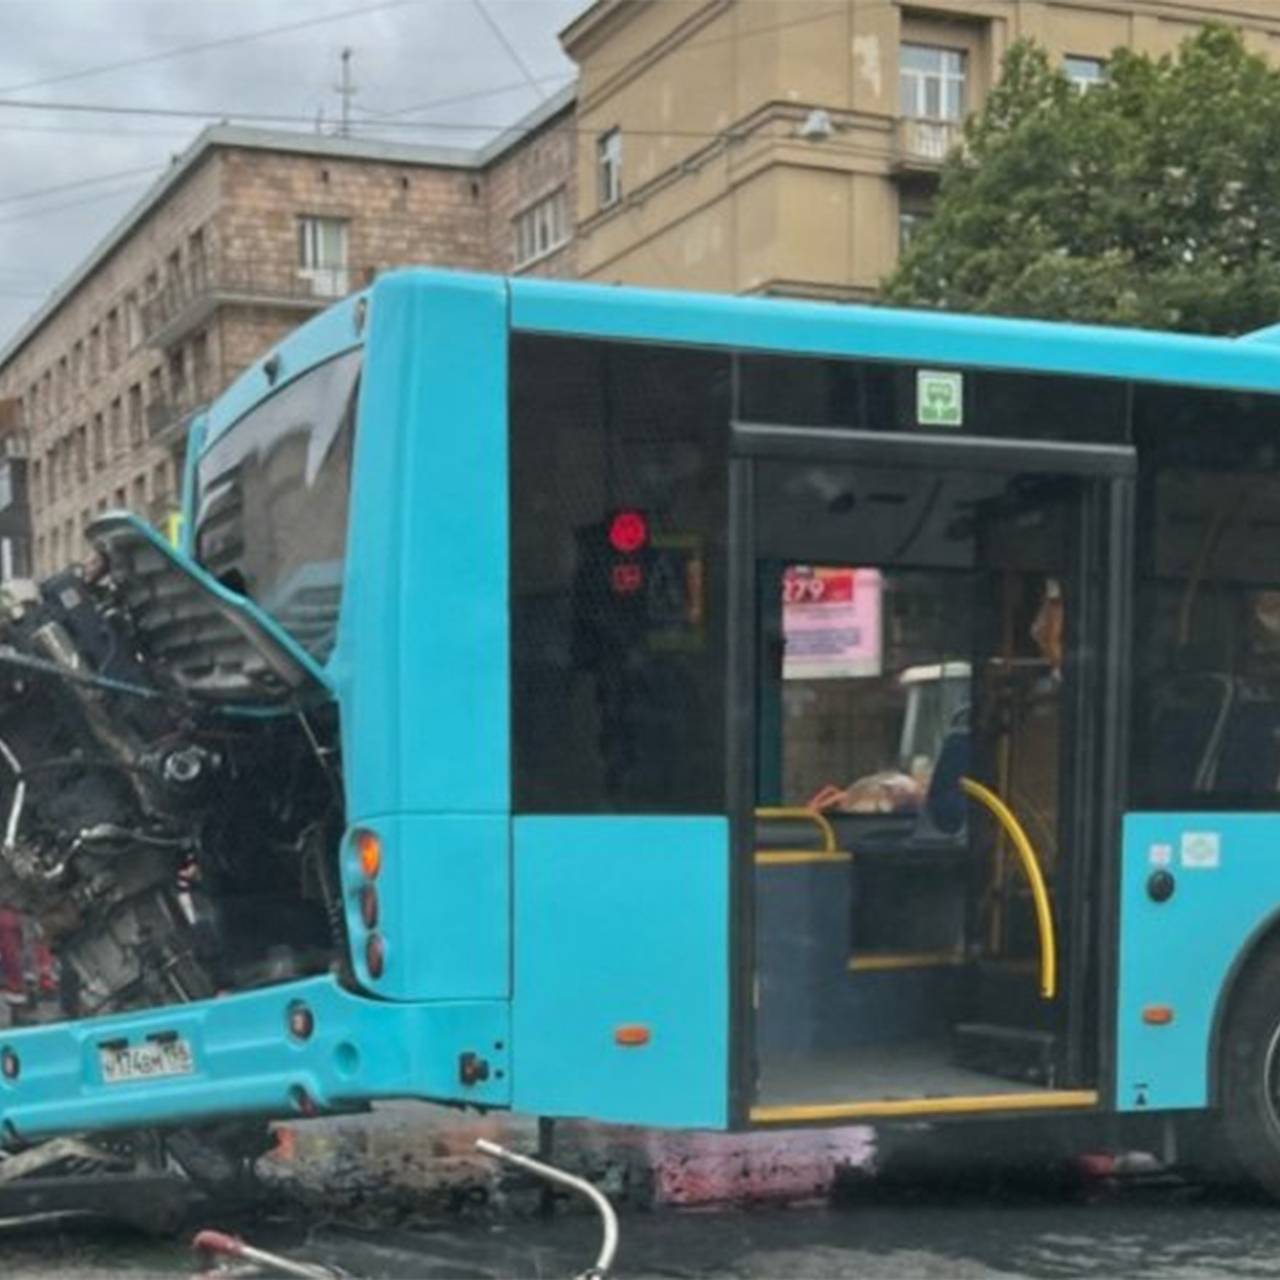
[(1249, 1062)]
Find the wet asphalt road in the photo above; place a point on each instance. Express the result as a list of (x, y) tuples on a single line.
[(894, 1232)]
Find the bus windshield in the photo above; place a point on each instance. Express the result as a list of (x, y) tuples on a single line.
[(272, 499)]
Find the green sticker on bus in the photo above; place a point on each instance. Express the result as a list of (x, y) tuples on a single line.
[(939, 398)]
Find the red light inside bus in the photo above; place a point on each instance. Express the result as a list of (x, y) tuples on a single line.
[(626, 579), (628, 532)]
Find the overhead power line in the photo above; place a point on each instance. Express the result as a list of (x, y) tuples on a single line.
[(223, 42), (475, 96), (98, 198), (81, 182), (512, 52)]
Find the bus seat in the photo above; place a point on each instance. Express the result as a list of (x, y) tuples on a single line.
[(1248, 762)]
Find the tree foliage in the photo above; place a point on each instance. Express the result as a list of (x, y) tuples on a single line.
[(1153, 200)]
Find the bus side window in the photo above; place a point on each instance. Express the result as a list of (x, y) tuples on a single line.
[(1207, 713)]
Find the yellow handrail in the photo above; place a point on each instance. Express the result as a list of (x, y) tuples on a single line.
[(807, 815), (1031, 865)]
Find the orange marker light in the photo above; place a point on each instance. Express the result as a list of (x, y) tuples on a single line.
[(1158, 1015), (369, 851), (632, 1036)]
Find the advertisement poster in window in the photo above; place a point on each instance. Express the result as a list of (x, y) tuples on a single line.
[(831, 622)]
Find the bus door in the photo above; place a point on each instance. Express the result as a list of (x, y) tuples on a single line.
[(935, 628)]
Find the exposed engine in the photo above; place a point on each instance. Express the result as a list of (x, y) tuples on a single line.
[(159, 847)]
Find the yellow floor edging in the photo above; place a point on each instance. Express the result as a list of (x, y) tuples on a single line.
[(888, 1108)]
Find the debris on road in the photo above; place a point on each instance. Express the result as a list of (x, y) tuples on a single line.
[(218, 1245), (609, 1220)]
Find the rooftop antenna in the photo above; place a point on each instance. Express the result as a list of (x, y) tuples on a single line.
[(346, 91)]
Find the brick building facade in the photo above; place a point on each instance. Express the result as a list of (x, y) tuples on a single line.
[(248, 233), (775, 147)]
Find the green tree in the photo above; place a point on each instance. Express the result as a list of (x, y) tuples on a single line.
[(1152, 201)]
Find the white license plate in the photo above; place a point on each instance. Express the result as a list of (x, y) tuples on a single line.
[(151, 1061)]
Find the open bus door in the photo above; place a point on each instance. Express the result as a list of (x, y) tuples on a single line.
[(935, 634)]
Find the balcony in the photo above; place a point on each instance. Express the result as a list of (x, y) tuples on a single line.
[(920, 146), (168, 418), (187, 299)]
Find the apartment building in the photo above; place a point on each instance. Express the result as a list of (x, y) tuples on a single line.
[(244, 236), (793, 146), (786, 147), (15, 513)]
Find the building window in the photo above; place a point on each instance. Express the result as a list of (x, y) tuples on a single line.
[(196, 258), (200, 365), (77, 364), (135, 406), (1085, 73), (95, 351), (82, 453), (178, 376), (933, 82), (113, 338), (99, 443), (910, 223), (609, 166), (541, 228), (132, 321), (322, 255)]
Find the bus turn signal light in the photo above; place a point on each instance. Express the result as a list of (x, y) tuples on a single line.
[(1157, 1015), (369, 851), (633, 1036)]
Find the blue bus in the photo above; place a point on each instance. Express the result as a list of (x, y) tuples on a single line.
[(674, 710)]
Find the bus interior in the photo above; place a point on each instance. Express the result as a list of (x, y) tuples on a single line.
[(928, 647)]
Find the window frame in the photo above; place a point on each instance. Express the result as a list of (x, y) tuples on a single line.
[(1074, 62), (327, 279), (951, 73), (609, 167), (548, 214)]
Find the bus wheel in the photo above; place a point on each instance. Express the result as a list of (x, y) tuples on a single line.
[(1250, 1067)]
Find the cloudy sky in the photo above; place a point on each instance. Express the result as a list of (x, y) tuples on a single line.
[(436, 71)]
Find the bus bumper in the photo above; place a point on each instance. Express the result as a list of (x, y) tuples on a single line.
[(299, 1048)]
